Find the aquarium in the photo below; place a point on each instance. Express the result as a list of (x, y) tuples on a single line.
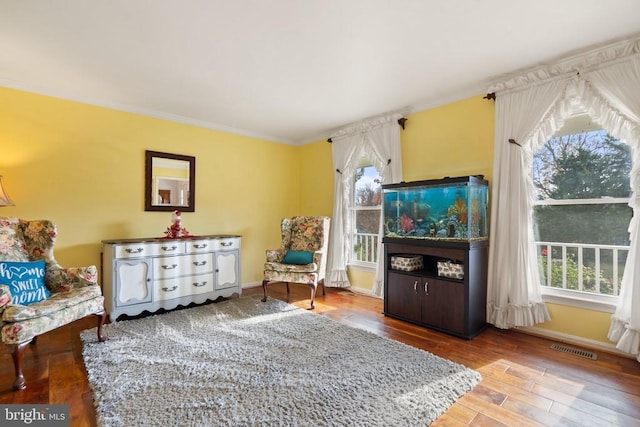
[(449, 209)]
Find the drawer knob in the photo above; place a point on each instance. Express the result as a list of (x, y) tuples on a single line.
[(134, 251), (199, 263), (169, 267), (226, 243), (169, 248), (198, 285), (197, 246), (173, 288)]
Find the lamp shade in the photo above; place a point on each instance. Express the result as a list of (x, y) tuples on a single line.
[(4, 197)]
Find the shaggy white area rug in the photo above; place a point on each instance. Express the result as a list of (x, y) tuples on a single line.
[(243, 362)]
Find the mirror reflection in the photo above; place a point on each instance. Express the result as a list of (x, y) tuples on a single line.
[(169, 182)]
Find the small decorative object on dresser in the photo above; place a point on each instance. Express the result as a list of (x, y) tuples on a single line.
[(176, 230), (162, 273)]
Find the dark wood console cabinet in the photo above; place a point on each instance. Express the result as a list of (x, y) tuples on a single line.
[(454, 306)]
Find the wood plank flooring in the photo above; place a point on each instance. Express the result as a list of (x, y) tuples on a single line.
[(525, 382)]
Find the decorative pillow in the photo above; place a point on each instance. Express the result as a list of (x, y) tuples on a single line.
[(298, 258), (12, 245), (25, 281)]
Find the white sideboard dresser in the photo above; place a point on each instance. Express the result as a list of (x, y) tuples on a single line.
[(152, 274)]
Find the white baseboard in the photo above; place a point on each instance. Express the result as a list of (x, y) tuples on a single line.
[(362, 291), (251, 285), (574, 340)]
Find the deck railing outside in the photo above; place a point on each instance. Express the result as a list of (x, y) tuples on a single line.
[(583, 267), (596, 269), (365, 247)]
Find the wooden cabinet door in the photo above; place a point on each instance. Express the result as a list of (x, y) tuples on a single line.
[(133, 281), (443, 304), (227, 265), (403, 296)]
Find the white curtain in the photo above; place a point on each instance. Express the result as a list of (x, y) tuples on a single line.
[(385, 144), (343, 151), (513, 285), (604, 83), (377, 140), (616, 102)]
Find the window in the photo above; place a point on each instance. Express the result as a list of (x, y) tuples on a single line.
[(581, 214), (366, 212)]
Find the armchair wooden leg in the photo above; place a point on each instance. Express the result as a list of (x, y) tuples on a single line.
[(287, 288), (102, 317), (264, 289), (18, 355), (322, 283), (313, 297)]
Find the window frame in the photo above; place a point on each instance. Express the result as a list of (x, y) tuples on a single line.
[(353, 211), (575, 298)]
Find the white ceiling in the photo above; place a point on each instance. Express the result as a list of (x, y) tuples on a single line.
[(289, 70)]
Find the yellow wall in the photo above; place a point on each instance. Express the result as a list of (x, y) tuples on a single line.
[(452, 140), (82, 167), (580, 322), (316, 179)]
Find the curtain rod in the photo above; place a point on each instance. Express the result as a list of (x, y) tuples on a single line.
[(401, 122)]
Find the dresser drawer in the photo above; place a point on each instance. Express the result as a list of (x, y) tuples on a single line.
[(225, 244), (135, 250), (182, 286), (199, 245), (182, 265)]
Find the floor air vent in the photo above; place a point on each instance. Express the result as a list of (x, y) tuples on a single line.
[(577, 351)]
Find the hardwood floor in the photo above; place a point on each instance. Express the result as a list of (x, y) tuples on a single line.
[(525, 383)]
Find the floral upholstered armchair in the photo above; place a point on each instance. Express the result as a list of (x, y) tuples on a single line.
[(36, 294), (302, 257)]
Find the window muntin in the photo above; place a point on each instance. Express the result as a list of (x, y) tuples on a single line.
[(581, 213)]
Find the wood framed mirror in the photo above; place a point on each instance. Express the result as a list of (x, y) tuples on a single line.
[(170, 182)]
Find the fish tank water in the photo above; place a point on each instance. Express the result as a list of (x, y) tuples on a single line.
[(448, 209)]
